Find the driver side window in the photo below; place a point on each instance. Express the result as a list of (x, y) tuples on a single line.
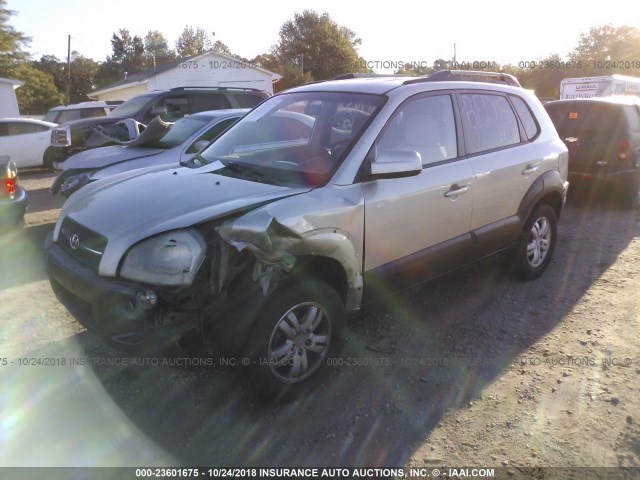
[(426, 126)]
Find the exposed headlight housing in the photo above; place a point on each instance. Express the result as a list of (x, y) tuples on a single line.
[(74, 182), (168, 259)]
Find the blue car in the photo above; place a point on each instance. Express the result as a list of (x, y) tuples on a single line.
[(13, 197)]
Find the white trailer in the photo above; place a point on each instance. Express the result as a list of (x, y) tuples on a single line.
[(605, 86)]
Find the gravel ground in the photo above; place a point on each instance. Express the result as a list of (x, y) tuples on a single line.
[(477, 369)]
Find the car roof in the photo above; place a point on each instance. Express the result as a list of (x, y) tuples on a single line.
[(28, 120), (384, 84)]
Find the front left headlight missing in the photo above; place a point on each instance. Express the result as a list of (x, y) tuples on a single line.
[(75, 181), (168, 259)]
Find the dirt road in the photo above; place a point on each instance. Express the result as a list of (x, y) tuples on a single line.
[(476, 369)]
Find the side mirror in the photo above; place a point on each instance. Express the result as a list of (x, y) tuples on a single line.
[(395, 164)]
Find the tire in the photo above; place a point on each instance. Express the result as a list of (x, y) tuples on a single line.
[(47, 159), (537, 243), (291, 339), (632, 197)]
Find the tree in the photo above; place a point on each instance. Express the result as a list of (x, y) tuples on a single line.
[(319, 46), (156, 49), (12, 42), (39, 92), (128, 51), (607, 49), (220, 47), (193, 42)]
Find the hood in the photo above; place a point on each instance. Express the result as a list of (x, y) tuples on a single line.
[(104, 156), (86, 122), (130, 207)]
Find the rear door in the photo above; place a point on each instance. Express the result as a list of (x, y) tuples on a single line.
[(25, 143), (504, 160)]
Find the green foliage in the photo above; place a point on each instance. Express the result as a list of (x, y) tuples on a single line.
[(12, 42), (605, 49), (317, 45), (39, 92), (193, 42), (156, 48)]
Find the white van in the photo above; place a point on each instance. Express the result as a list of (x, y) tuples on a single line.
[(605, 86)]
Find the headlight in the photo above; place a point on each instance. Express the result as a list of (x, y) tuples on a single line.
[(169, 259), (74, 182)]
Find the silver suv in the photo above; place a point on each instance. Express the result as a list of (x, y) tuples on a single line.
[(280, 229)]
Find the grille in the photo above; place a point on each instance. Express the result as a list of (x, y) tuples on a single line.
[(82, 243)]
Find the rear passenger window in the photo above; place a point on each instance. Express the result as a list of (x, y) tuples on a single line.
[(489, 122), (426, 126), (247, 101), (526, 117), (209, 101)]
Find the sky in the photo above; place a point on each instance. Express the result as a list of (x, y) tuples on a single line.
[(490, 30)]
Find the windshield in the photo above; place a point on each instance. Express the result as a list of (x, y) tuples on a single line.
[(178, 133), (131, 107), (295, 138)]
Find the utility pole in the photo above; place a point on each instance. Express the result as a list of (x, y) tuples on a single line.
[(68, 66), (454, 56)]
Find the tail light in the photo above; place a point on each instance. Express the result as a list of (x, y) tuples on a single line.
[(10, 178), (622, 151)]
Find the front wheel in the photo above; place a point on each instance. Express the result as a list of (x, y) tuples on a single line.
[(537, 242), (292, 338)]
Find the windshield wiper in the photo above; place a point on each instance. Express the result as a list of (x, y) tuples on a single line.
[(196, 161), (243, 169)]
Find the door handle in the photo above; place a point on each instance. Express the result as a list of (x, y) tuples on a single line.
[(456, 190), (529, 170)]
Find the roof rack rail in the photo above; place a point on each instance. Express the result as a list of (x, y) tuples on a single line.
[(467, 76), (348, 76), (214, 88)]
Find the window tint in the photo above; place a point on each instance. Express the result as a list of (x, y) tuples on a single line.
[(68, 116), (22, 128), (489, 122), (209, 101), (585, 118), (92, 112), (212, 133), (247, 101), (426, 126), (526, 117)]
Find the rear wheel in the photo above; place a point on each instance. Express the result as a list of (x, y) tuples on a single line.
[(537, 242), (292, 338), (632, 199)]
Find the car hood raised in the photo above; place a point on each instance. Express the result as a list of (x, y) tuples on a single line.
[(104, 156), (127, 208)]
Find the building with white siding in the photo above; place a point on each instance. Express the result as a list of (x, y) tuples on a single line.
[(8, 100), (210, 69)]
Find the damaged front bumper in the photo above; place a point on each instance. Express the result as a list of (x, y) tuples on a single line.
[(123, 313)]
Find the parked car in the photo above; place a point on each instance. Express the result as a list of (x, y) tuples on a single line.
[(13, 197), (266, 246), (171, 143), (603, 137), (25, 140), (77, 111), (127, 120)]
